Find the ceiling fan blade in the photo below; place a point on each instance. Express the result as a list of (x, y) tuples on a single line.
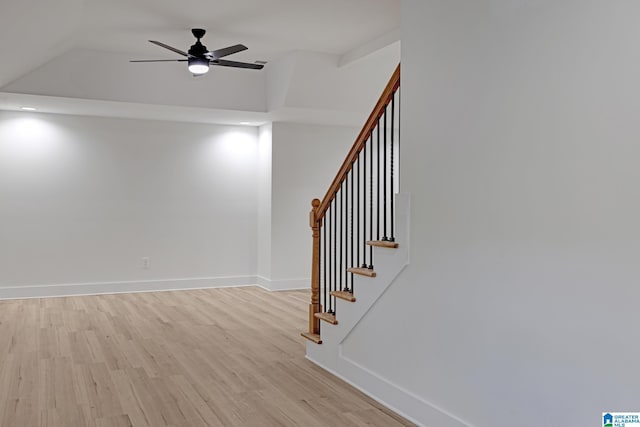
[(166, 46), (236, 64), (159, 60), (219, 53)]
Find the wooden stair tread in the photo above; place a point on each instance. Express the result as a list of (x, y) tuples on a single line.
[(312, 337), (362, 271), (347, 296), (383, 244), (327, 317)]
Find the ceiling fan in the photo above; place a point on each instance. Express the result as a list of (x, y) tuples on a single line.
[(199, 58)]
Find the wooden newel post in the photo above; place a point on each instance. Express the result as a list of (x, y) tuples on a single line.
[(314, 307)]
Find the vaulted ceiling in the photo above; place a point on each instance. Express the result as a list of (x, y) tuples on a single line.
[(326, 59)]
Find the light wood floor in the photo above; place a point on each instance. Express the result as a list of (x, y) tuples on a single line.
[(215, 357)]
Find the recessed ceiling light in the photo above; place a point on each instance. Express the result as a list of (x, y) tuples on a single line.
[(28, 108), (245, 123)]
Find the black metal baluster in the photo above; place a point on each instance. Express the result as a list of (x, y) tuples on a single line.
[(399, 155), (357, 263), (393, 196), (340, 256), (345, 213), (378, 181), (346, 233), (331, 256), (370, 266), (325, 259), (329, 249), (351, 173), (384, 179), (364, 207), (335, 251)]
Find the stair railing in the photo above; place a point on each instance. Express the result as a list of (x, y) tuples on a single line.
[(357, 212)]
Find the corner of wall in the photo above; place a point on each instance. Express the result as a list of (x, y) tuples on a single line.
[(283, 285)]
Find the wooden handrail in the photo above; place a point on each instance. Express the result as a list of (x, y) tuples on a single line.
[(370, 124)]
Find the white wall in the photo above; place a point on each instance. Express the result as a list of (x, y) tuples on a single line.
[(305, 159), (520, 150), (85, 199), (265, 133), (317, 82)]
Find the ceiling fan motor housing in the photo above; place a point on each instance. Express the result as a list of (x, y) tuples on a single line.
[(198, 50)]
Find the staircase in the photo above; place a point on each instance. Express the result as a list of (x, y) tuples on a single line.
[(361, 219)]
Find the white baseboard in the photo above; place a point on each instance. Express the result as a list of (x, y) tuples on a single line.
[(283, 285), (396, 398), (60, 290)]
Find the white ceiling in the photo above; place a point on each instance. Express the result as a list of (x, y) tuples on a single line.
[(37, 33), (270, 28)]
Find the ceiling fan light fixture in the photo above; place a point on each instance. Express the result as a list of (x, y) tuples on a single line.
[(198, 65)]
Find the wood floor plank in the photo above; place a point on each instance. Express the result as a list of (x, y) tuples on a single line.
[(118, 421), (95, 387), (131, 403), (200, 358), (187, 390)]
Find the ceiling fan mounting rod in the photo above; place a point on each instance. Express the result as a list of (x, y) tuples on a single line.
[(198, 33)]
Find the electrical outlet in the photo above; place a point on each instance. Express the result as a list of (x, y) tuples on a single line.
[(145, 263)]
